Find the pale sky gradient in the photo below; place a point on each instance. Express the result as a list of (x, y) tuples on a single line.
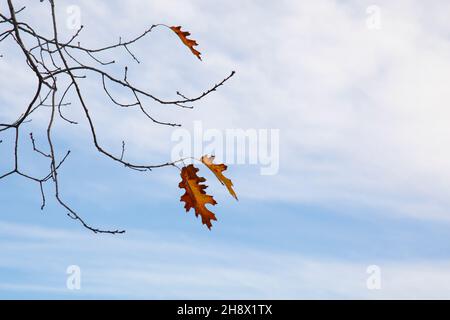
[(364, 160)]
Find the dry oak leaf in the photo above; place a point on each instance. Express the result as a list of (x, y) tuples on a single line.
[(217, 169), (195, 195), (188, 42)]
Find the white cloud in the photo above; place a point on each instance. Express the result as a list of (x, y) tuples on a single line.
[(363, 114)]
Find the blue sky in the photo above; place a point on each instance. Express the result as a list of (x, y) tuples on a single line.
[(363, 177)]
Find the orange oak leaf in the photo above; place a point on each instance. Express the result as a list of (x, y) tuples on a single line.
[(195, 195), (188, 42), (217, 169)]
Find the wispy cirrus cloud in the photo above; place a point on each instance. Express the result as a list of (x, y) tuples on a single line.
[(363, 118)]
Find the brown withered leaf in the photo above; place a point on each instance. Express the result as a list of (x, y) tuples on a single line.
[(183, 35), (217, 169), (195, 195)]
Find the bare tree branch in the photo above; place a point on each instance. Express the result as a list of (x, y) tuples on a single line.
[(50, 60)]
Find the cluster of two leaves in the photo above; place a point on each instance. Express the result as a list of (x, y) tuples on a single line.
[(195, 196)]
